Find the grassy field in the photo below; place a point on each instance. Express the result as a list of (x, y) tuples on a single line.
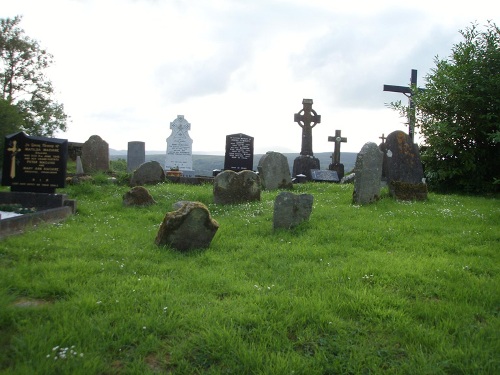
[(389, 288)]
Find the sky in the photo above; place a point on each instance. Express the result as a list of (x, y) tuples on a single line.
[(124, 69)]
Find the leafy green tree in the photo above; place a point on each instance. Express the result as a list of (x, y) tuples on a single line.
[(11, 121), (24, 83), (458, 115)]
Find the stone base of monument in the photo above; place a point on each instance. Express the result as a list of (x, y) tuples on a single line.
[(303, 165), (48, 208), (337, 167)]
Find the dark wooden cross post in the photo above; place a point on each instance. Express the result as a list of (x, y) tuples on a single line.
[(408, 92), (307, 119), (338, 139), (383, 138)]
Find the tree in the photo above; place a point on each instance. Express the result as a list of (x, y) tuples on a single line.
[(458, 115), (11, 120), (24, 84)]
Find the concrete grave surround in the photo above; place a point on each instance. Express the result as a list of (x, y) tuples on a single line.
[(179, 146), (368, 173), (291, 209), (403, 168), (231, 187), (95, 155), (274, 171), (189, 227), (138, 196), (136, 155), (148, 173)]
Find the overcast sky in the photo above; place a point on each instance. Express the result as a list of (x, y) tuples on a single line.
[(124, 69)]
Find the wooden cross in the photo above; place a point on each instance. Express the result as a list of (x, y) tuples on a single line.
[(14, 150), (338, 139), (408, 92), (305, 118), (383, 138)]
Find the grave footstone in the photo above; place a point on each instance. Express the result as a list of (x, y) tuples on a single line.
[(179, 146), (239, 152), (403, 168), (148, 173), (232, 188), (368, 173), (138, 196), (274, 171), (291, 209), (189, 227), (136, 155), (95, 155), (34, 164)]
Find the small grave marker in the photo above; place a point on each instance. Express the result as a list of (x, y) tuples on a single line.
[(239, 152), (324, 175), (336, 165)]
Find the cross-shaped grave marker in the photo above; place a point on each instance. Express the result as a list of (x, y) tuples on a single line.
[(408, 92), (383, 138), (338, 139), (14, 149), (307, 119)]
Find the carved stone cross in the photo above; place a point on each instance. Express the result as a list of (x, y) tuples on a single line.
[(338, 139), (307, 119), (14, 149), (383, 138)]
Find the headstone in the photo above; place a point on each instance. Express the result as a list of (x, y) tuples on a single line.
[(307, 118), (95, 155), (79, 166), (136, 155), (336, 165), (274, 171), (179, 146), (290, 209), (239, 152), (189, 227), (324, 175), (138, 196), (348, 179), (148, 173), (403, 168), (34, 164), (368, 172), (231, 187)]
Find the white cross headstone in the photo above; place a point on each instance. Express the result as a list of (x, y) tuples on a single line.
[(179, 146)]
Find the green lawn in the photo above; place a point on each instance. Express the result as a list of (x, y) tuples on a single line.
[(389, 288)]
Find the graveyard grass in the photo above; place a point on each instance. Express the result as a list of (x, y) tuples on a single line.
[(388, 288)]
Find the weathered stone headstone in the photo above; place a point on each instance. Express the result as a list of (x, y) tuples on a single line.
[(138, 196), (290, 209), (336, 165), (231, 187), (148, 173), (34, 164), (324, 175), (179, 146), (274, 171), (190, 227), (307, 119), (239, 152), (95, 155), (368, 172), (403, 168), (136, 155), (79, 166)]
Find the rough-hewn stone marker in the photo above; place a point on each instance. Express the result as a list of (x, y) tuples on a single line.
[(291, 209), (368, 173), (95, 155), (232, 188), (274, 171)]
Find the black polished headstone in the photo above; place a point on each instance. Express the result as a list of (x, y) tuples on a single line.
[(34, 164), (239, 152), (324, 175)]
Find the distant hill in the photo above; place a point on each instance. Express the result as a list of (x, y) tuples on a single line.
[(205, 164)]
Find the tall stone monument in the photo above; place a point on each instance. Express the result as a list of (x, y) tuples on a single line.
[(336, 165), (307, 119), (179, 146)]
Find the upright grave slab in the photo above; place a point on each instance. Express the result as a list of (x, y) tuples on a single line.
[(136, 155), (307, 118), (403, 168), (34, 164), (179, 146), (239, 152), (368, 173), (274, 171), (95, 155)]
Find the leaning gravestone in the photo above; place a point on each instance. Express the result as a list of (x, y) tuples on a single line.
[(403, 168), (190, 227), (95, 155), (136, 155), (34, 164), (231, 187), (368, 173), (239, 152), (148, 173), (290, 209), (179, 146), (274, 171)]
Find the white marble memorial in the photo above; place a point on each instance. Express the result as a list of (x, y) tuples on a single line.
[(179, 146)]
